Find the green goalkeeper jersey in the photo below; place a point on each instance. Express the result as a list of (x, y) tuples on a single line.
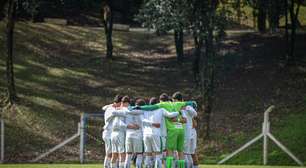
[(170, 107)]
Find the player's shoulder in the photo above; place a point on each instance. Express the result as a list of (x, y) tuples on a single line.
[(189, 108), (159, 110), (110, 108)]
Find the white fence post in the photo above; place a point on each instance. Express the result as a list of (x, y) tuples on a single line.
[(265, 134), (82, 138)]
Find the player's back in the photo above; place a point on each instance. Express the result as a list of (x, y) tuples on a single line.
[(119, 121), (189, 113), (134, 119)]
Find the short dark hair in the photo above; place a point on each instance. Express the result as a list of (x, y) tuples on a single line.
[(153, 101), (117, 98), (164, 97), (132, 101), (125, 99), (140, 102), (177, 96)]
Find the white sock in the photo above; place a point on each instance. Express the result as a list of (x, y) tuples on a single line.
[(148, 161), (195, 166), (107, 162), (139, 161), (188, 161), (158, 161), (114, 165), (121, 164), (128, 159)]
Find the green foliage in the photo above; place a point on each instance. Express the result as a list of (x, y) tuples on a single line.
[(30, 6), (164, 15)]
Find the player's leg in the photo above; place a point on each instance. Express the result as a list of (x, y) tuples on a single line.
[(194, 155), (157, 151), (115, 151), (195, 160), (180, 148), (138, 149), (121, 149), (108, 152), (148, 151), (139, 160), (171, 147), (188, 150), (129, 152)]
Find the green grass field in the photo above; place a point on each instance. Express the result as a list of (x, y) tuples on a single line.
[(99, 166)]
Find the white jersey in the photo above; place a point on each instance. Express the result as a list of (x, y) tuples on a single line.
[(119, 116), (189, 113), (134, 119), (156, 116), (107, 129)]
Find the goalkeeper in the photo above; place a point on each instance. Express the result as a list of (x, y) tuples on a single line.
[(175, 128)]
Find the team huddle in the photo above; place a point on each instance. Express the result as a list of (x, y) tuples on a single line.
[(155, 134)]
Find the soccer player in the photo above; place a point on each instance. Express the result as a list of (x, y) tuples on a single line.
[(118, 133), (107, 129), (133, 141), (189, 113), (175, 128), (153, 130)]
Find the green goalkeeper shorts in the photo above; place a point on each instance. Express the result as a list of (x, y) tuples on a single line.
[(175, 140)]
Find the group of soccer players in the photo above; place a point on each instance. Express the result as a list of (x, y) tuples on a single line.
[(159, 133)]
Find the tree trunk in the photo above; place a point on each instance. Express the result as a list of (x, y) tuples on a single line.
[(293, 16), (10, 43), (262, 15), (286, 30), (239, 13), (210, 54), (274, 9), (179, 44), (196, 62), (108, 29)]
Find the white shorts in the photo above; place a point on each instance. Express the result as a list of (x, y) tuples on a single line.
[(152, 143), (133, 145), (118, 142), (190, 144), (107, 145)]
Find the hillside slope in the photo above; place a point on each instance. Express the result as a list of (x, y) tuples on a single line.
[(61, 72)]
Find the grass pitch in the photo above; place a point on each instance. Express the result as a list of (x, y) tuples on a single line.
[(100, 166)]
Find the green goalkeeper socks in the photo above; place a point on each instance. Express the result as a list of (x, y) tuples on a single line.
[(169, 162), (181, 163)]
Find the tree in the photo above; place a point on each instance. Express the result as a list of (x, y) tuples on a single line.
[(274, 12), (262, 15), (294, 13), (207, 25), (165, 16), (9, 60), (32, 8), (107, 13)]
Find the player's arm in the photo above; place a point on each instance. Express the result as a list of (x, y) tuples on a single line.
[(192, 112), (170, 114), (147, 122), (147, 107), (117, 113), (187, 103), (135, 112)]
